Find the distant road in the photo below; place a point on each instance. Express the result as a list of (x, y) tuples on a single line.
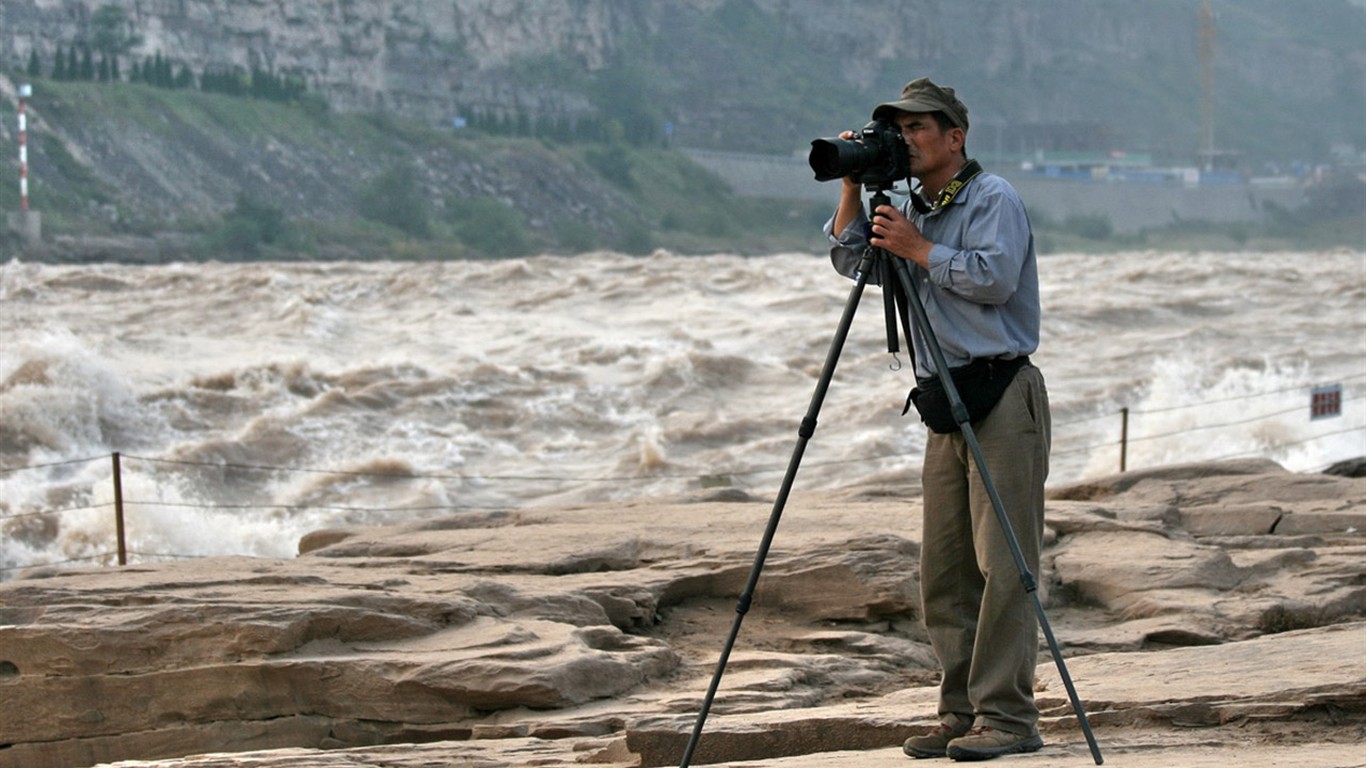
[(1128, 206)]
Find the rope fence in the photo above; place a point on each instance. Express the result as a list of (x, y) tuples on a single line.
[(119, 502)]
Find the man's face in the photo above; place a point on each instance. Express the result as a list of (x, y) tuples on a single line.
[(932, 149)]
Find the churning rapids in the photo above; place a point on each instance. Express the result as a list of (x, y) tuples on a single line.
[(252, 403)]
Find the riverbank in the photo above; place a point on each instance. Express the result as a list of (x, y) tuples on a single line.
[(1209, 613)]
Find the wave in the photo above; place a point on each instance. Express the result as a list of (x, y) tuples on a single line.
[(260, 401)]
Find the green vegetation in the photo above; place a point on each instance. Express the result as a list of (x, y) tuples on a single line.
[(252, 168), (251, 229), (112, 35), (394, 198), (490, 227), (290, 180)]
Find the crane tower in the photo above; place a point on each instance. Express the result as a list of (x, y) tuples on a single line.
[(1206, 86)]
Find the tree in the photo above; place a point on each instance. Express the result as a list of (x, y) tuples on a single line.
[(35, 67), (490, 226), (87, 70), (184, 78), (395, 198), (625, 99), (111, 32), (249, 226)]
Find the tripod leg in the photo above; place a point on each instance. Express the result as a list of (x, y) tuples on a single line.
[(808, 428), (960, 415)]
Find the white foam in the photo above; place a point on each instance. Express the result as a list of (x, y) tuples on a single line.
[(601, 377)]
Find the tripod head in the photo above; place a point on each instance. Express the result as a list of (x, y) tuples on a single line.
[(878, 195)]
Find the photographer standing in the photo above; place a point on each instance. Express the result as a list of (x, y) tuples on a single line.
[(973, 264)]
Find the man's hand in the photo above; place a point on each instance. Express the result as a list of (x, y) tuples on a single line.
[(851, 197), (899, 236)]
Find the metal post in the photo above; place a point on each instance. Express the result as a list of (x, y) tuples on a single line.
[(28, 224), (118, 511), (1124, 438), (25, 91)]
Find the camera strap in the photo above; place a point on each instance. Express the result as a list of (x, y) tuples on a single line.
[(896, 302), (967, 173)]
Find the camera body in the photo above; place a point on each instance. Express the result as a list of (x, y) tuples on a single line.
[(877, 156)]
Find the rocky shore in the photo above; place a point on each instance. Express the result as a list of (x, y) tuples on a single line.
[(1211, 614)]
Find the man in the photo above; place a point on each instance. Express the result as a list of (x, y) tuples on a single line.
[(973, 265)]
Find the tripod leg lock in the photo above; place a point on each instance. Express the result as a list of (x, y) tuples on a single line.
[(742, 605), (808, 428)]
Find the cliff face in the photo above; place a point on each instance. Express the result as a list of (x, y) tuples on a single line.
[(734, 63), (762, 76), (418, 57)]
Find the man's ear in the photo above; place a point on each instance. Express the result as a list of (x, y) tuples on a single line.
[(958, 137)]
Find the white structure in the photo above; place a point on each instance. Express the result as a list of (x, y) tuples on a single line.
[(25, 91), (28, 224)]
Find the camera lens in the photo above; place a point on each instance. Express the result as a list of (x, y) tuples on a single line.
[(835, 158), (878, 156)]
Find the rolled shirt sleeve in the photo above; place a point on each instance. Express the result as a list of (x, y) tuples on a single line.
[(847, 247)]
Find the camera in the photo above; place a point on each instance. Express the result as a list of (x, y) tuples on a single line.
[(876, 156)]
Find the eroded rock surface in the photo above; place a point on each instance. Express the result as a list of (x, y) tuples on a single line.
[(1228, 598)]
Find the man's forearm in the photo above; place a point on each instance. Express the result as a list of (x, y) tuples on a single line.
[(851, 207)]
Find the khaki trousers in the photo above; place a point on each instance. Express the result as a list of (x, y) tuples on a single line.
[(981, 621)]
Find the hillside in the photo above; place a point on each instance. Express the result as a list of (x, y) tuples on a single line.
[(475, 128), (767, 75), (132, 172)]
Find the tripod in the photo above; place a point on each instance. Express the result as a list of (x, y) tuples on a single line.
[(876, 257)]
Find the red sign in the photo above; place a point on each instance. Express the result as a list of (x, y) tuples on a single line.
[(1325, 402)]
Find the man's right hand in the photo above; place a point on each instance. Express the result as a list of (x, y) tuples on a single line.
[(851, 196)]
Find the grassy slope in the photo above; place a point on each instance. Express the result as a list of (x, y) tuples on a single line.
[(591, 196)]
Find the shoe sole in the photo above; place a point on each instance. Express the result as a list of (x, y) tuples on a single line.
[(924, 754), (1031, 744)]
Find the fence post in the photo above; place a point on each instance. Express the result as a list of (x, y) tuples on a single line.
[(1124, 438), (118, 511)]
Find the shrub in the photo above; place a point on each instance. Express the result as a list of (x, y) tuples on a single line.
[(395, 199), (249, 226), (612, 163), (490, 226)]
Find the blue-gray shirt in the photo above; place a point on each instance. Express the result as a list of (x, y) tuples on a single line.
[(981, 292)]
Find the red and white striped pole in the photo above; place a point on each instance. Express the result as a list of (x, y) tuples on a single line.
[(25, 91)]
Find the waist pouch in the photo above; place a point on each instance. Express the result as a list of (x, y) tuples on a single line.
[(980, 384)]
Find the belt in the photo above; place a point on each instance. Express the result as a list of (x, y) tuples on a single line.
[(981, 367)]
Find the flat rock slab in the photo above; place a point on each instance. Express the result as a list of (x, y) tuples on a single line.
[(1201, 623)]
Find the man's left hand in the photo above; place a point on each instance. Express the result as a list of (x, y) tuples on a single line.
[(898, 235)]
